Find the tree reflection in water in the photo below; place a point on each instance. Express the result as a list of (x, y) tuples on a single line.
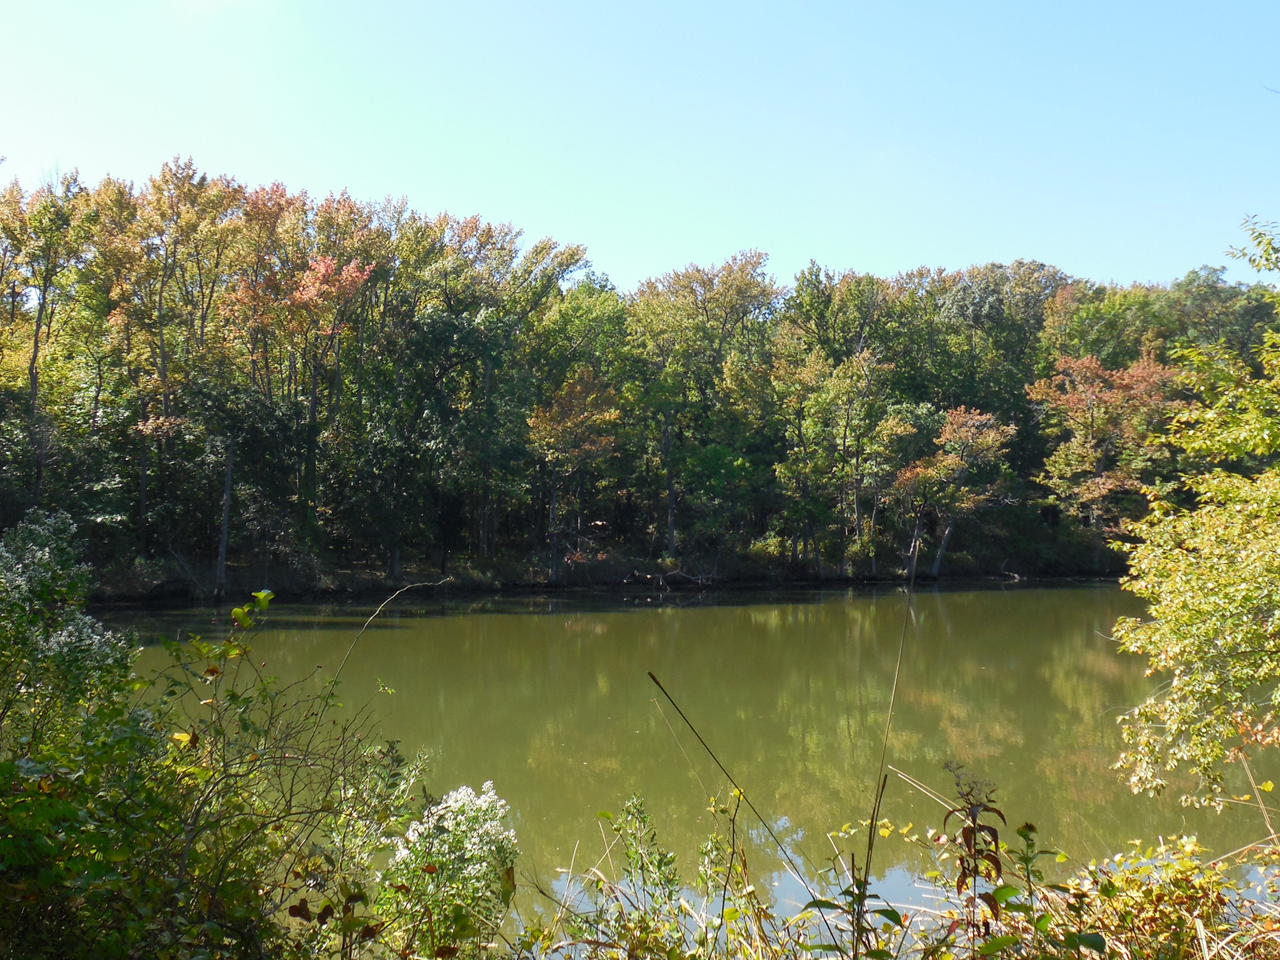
[(550, 700)]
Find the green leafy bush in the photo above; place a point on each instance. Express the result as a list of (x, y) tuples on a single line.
[(208, 810)]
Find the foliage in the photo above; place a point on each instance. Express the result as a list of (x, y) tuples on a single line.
[(1111, 423), (1209, 573), (441, 387), (950, 482), (452, 876), (208, 810), (986, 898)]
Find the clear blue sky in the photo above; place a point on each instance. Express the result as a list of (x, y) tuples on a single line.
[(1117, 140)]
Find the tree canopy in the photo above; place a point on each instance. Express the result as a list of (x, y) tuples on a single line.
[(237, 385)]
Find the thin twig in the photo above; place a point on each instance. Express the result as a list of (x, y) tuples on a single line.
[(1266, 817), (786, 856), (696, 775), (381, 607), (882, 778), (924, 788)]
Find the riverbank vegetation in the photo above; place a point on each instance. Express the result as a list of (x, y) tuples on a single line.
[(248, 386), (252, 378), (208, 810)]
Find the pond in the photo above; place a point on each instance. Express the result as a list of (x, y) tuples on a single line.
[(550, 699)]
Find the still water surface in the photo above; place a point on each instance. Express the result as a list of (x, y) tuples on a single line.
[(550, 700)]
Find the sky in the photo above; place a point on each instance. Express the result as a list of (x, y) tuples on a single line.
[(1118, 141)]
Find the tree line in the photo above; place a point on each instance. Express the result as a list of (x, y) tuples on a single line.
[(218, 381)]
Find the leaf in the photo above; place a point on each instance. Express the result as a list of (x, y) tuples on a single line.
[(301, 911), (264, 597), (992, 904), (241, 616), (890, 914), (1266, 786), (1004, 893), (822, 905), (732, 913), (996, 944), (1094, 941)]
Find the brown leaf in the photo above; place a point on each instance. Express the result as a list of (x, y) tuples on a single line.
[(992, 904), (301, 911)]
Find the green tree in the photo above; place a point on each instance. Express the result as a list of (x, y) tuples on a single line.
[(1210, 573), (692, 329), (46, 234)]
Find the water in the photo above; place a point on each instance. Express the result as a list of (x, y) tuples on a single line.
[(551, 701)]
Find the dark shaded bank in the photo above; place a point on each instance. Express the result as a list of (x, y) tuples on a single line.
[(979, 552), (433, 597)]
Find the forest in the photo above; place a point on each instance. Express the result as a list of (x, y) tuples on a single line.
[(227, 387)]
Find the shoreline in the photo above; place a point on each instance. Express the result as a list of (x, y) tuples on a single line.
[(356, 592)]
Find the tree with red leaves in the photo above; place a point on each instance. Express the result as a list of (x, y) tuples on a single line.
[(953, 481), (1111, 425)]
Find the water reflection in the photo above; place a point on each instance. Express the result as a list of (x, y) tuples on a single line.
[(553, 704)]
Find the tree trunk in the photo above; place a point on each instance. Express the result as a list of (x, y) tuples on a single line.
[(142, 492), (671, 491), (226, 524), (913, 550), (33, 373), (33, 369), (313, 434), (552, 536), (942, 549), (871, 524), (394, 564)]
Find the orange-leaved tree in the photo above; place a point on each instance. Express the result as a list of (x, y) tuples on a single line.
[(955, 480), (1112, 426)]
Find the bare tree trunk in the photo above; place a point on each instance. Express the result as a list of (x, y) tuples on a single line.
[(875, 508), (142, 498), (226, 524), (552, 532), (33, 368), (671, 491), (913, 550), (33, 373), (942, 548)]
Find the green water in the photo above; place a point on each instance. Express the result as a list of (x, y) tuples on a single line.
[(550, 700)]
